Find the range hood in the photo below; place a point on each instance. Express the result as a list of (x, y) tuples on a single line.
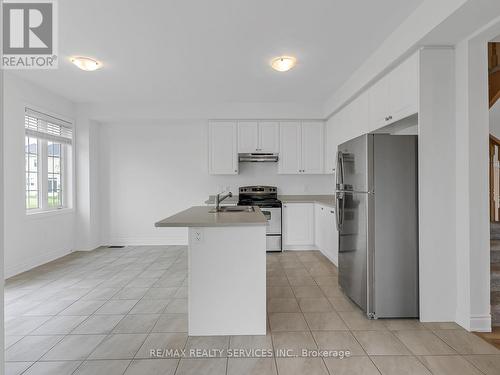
[(258, 157)]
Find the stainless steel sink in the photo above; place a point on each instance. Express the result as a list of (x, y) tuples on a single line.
[(234, 209)]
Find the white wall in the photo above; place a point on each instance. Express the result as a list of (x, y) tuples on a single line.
[(152, 170), (88, 221), (473, 249), (437, 184), (30, 240)]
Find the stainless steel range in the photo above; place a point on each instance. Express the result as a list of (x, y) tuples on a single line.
[(266, 198)]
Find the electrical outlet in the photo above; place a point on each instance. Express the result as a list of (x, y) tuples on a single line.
[(197, 236)]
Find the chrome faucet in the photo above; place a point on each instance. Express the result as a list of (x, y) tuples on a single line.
[(219, 198)]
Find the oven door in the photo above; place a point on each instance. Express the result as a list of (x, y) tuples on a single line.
[(273, 216)]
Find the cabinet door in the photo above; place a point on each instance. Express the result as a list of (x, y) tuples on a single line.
[(222, 145), (360, 114), (313, 147), (248, 136), (333, 236), (318, 240), (269, 136), (290, 144), (330, 145), (298, 224), (403, 90), (319, 227), (378, 104)]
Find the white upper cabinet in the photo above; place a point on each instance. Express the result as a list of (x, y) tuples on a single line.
[(301, 147), (290, 145), (256, 136), (379, 104), (395, 96), (313, 147), (331, 129), (222, 147), (269, 136), (350, 122), (403, 89), (248, 136)]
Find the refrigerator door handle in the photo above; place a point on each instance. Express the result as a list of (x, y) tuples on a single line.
[(340, 211), (340, 170)]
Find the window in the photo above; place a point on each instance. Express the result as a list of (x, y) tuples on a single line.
[(48, 143), (32, 191)]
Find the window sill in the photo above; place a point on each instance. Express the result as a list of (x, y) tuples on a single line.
[(49, 213)]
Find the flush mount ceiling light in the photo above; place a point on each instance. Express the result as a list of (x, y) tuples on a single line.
[(283, 63), (86, 63)]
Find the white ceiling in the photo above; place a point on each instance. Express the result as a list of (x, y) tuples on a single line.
[(161, 51)]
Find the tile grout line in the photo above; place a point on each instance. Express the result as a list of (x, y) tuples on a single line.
[(110, 333), (307, 323)]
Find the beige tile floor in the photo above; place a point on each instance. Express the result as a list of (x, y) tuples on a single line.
[(102, 312)]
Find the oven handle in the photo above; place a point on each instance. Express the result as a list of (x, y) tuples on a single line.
[(267, 214)]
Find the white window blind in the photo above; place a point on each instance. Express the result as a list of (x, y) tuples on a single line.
[(43, 126)]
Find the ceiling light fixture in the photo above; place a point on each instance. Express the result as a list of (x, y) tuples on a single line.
[(283, 63), (86, 63)]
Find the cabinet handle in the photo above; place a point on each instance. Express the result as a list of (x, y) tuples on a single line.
[(332, 212), (236, 170)]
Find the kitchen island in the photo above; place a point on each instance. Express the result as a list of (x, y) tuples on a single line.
[(226, 268)]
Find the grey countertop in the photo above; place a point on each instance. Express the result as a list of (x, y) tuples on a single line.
[(199, 216), (328, 200)]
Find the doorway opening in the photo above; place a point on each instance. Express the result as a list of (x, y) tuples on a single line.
[(494, 176)]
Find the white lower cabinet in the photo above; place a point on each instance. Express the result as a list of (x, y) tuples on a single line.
[(298, 226), (326, 235), (310, 226)]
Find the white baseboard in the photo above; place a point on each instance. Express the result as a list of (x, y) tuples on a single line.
[(32, 262), (330, 259), (480, 323)]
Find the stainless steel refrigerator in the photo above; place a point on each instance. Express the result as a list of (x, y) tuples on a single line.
[(377, 220)]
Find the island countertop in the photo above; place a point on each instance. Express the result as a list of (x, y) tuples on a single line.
[(199, 216)]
